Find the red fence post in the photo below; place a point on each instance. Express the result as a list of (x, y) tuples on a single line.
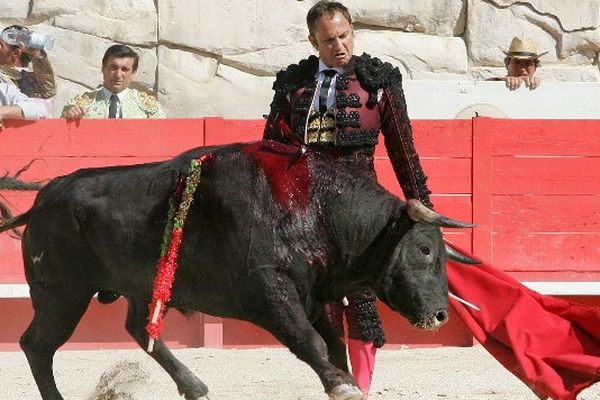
[(482, 187), (212, 127)]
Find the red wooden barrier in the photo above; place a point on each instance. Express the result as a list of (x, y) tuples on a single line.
[(530, 186)]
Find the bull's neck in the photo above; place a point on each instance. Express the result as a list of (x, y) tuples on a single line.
[(355, 228)]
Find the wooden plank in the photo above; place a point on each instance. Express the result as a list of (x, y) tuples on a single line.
[(10, 253), (548, 175), (438, 138), (455, 207), (59, 137), (555, 276), (47, 167), (548, 214), (462, 238), (482, 195), (531, 252), (445, 175), (222, 131), (545, 137)]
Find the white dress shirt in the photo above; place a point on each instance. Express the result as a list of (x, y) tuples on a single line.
[(331, 92), (121, 95)]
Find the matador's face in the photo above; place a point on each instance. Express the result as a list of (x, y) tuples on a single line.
[(118, 73), (333, 38)]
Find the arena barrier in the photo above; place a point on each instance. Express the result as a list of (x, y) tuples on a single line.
[(531, 186)]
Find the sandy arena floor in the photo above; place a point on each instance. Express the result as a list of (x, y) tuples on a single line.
[(448, 373)]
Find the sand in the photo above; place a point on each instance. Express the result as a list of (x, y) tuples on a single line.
[(447, 373)]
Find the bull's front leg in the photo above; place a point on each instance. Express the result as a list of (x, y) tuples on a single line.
[(329, 322), (277, 308), (187, 383)]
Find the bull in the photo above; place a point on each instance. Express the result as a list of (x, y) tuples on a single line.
[(272, 235)]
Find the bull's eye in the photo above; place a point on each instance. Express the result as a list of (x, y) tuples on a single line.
[(424, 250)]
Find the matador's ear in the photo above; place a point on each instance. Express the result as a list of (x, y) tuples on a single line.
[(313, 40)]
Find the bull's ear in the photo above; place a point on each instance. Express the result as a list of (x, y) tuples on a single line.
[(460, 257), (418, 212)]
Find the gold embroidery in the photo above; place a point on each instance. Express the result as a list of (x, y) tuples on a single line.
[(321, 128), (10, 73), (43, 79), (146, 101), (84, 100)]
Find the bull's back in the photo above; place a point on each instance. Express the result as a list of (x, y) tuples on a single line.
[(103, 227), (92, 222)]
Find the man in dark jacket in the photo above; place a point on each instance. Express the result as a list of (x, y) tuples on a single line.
[(338, 103)]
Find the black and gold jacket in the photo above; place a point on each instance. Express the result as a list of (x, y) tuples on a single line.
[(369, 99)]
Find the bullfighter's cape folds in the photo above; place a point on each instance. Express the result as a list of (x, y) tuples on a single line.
[(551, 344)]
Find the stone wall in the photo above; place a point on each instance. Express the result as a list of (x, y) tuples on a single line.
[(219, 58)]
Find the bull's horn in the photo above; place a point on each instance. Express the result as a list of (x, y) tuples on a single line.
[(457, 256), (417, 211)]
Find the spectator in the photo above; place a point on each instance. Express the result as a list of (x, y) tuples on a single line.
[(522, 60), (36, 82), (115, 99), (337, 104)]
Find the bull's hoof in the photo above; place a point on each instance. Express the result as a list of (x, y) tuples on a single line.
[(107, 296), (346, 392), (198, 393), (197, 398)]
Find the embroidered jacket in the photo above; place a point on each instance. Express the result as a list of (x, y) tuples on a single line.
[(369, 99), (138, 104)]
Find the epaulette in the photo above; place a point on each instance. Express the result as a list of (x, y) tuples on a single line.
[(8, 72), (85, 100), (146, 101), (296, 76), (374, 74)]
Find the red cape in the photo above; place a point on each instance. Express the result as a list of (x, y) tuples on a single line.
[(552, 345)]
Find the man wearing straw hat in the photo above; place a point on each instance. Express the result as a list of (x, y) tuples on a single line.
[(522, 60)]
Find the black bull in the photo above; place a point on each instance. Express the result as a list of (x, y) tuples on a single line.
[(271, 237)]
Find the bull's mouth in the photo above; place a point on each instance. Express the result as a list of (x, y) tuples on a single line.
[(430, 322), (427, 321)]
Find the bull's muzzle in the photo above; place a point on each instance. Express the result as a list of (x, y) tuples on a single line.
[(434, 321)]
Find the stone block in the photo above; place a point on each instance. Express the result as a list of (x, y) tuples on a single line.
[(13, 10), (421, 56), (486, 44), (193, 85), (232, 27), (433, 17), (585, 15), (126, 21)]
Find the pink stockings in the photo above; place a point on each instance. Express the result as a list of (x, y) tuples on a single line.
[(362, 359)]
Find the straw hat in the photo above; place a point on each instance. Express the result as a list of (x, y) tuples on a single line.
[(523, 49)]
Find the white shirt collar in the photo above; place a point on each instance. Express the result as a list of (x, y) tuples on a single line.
[(121, 95), (323, 66)]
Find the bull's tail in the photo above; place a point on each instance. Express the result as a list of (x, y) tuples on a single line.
[(15, 222)]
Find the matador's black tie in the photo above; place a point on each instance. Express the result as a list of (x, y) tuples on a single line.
[(112, 106), (329, 74)]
